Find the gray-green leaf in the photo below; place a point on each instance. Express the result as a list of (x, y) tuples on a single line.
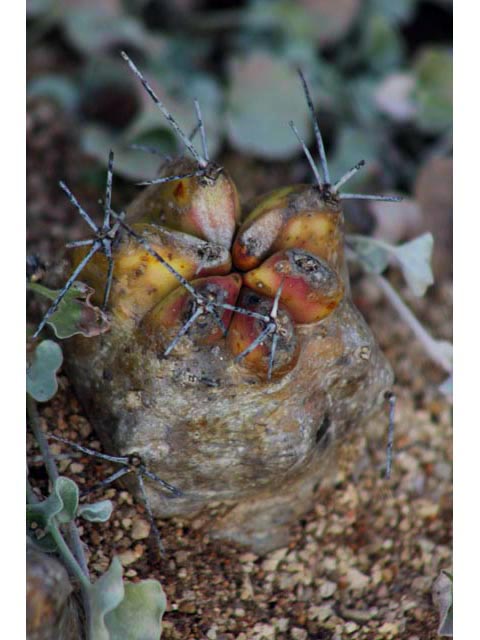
[(265, 94), (61, 504), (96, 512), (105, 595), (415, 259), (41, 374), (140, 613), (75, 313)]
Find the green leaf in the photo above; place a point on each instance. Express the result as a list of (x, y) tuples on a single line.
[(265, 94), (396, 12), (75, 313), (41, 374), (434, 87), (61, 504), (415, 259), (354, 144), (129, 163), (96, 512), (372, 255), (140, 613), (57, 87), (122, 611), (105, 595), (381, 44)]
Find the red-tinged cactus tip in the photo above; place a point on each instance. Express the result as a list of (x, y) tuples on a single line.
[(312, 289)]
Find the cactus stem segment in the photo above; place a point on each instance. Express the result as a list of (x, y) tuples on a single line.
[(348, 175), (271, 328), (203, 304), (318, 135), (202, 162)]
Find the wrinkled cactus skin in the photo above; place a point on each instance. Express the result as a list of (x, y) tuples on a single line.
[(246, 450)]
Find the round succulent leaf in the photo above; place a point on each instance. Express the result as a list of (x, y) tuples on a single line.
[(433, 93), (67, 492), (396, 12), (264, 95), (139, 614), (61, 504), (105, 595), (56, 87), (354, 144), (129, 163), (332, 18), (41, 374), (381, 44), (415, 259), (97, 511)]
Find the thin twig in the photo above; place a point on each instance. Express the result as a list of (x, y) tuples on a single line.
[(429, 343)]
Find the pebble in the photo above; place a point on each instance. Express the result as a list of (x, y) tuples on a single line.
[(388, 630), (140, 530), (298, 634), (262, 631), (319, 613), (356, 579), (327, 589), (350, 627), (127, 557), (273, 559)]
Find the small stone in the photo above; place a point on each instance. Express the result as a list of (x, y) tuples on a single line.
[(350, 627), (319, 613), (130, 573), (356, 579), (182, 573), (247, 557), (239, 613), (299, 634), (263, 631), (126, 523), (188, 607), (327, 589), (212, 634), (273, 559), (127, 557), (76, 467), (282, 624), (140, 530), (388, 630)]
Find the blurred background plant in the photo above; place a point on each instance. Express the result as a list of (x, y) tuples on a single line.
[(380, 71)]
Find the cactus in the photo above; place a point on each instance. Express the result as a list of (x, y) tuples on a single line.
[(233, 341)]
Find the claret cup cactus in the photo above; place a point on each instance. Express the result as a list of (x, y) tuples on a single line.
[(235, 358)]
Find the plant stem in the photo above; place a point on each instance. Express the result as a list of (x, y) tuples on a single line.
[(432, 346), (53, 474), (68, 557)]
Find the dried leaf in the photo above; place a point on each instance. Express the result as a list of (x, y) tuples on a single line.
[(75, 313), (442, 595), (415, 260)]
